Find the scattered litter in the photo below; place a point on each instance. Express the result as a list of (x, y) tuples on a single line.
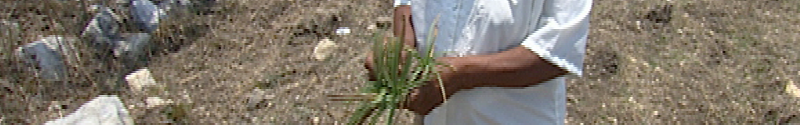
[(343, 31)]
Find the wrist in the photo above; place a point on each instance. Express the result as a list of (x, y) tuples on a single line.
[(461, 73)]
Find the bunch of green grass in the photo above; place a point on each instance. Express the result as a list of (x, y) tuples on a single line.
[(396, 76)]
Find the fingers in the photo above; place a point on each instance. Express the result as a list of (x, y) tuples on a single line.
[(368, 64), (424, 99), (409, 99), (403, 25), (401, 17)]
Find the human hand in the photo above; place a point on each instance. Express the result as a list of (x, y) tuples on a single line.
[(369, 64), (425, 98), (402, 27)]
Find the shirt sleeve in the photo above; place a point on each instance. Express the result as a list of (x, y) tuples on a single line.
[(560, 33), (401, 2)]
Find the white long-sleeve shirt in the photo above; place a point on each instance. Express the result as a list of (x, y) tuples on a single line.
[(556, 30)]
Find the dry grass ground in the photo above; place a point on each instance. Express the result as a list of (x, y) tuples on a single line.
[(648, 62)]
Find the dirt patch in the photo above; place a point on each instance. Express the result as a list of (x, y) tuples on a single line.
[(648, 62)]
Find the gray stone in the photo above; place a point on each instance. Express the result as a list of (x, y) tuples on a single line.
[(103, 110), (146, 15), (104, 27), (64, 46), (49, 56), (132, 46)]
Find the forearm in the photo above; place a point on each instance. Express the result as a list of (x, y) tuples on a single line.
[(517, 67)]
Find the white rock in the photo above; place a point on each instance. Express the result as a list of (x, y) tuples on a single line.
[(792, 89), (103, 110), (139, 79), (145, 14), (157, 101), (324, 48)]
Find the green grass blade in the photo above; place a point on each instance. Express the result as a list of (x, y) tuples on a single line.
[(361, 113), (381, 108), (392, 108), (432, 34), (397, 75)]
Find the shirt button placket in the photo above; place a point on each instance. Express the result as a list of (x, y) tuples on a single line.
[(455, 11)]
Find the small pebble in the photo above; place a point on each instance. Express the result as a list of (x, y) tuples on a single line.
[(139, 79), (324, 49), (157, 101)]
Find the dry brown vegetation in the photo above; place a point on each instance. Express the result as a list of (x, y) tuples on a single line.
[(661, 62)]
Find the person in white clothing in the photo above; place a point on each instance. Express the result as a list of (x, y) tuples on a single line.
[(511, 58)]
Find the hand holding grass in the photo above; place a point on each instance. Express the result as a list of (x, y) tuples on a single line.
[(425, 98), (428, 95), (515, 67)]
